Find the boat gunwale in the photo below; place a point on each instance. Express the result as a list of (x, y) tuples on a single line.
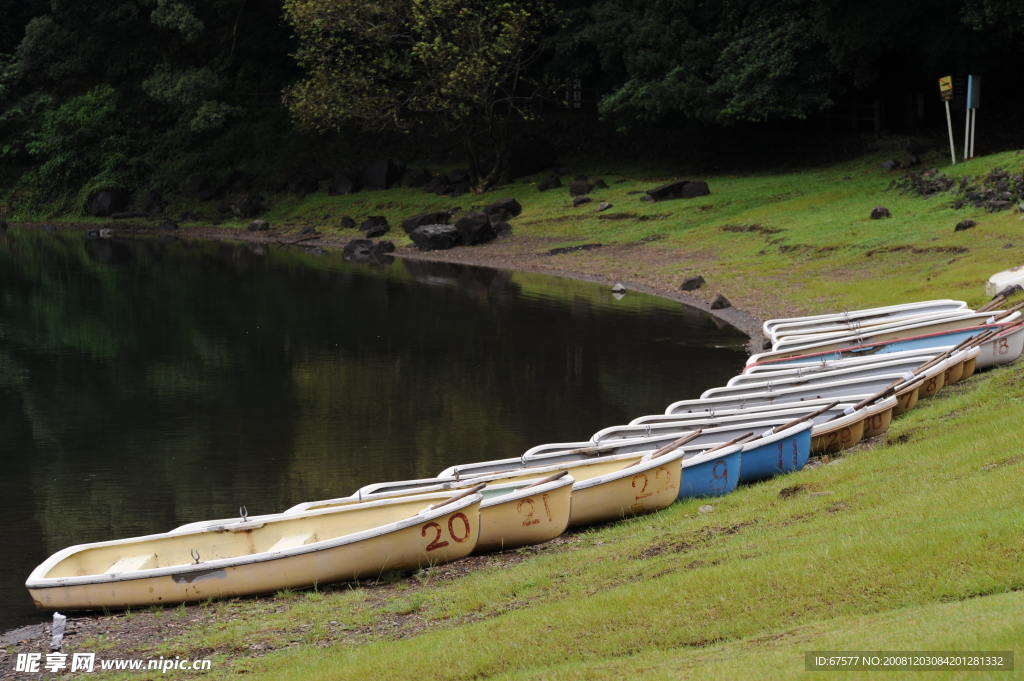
[(857, 314), (881, 327), (1003, 327), (36, 581), (797, 347), (641, 467)]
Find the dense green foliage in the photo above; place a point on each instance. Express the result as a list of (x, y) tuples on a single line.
[(460, 63), (168, 89)]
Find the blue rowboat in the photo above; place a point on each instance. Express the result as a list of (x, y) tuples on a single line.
[(923, 342), (712, 474), (777, 453)]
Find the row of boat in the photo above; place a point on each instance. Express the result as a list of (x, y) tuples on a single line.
[(827, 383)]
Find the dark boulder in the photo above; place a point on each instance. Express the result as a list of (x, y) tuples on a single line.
[(152, 202), (720, 302), (1010, 291), (416, 221), (192, 189), (459, 189), (224, 207), (879, 212), (259, 226), (414, 179), (341, 185), (49, 228), (996, 206), (600, 184), (527, 155), (375, 226), (891, 164), (439, 185), (460, 175), (308, 229), (249, 206), (210, 194), (510, 207), (348, 223), (109, 201), (550, 182), (301, 186), (580, 200), (692, 283), (275, 187), (604, 205), (189, 216), (964, 224), (681, 189), (580, 188), (128, 214), (166, 226), (92, 234), (383, 174), (384, 247), (475, 229), (501, 228), (435, 237)]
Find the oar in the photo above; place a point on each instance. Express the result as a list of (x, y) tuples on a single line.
[(730, 443), (992, 304), (550, 478), (471, 490), (1007, 313), (672, 446), (799, 420)]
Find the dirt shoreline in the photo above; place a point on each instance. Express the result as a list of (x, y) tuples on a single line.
[(522, 254)]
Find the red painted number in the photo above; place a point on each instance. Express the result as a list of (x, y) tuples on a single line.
[(547, 509), (530, 520), (1001, 347), (666, 483), (435, 544), (796, 455), (720, 473), (642, 489), (465, 523)]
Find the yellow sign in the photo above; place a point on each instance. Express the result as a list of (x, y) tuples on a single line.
[(946, 88)]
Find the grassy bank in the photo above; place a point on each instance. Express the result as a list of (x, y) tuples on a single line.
[(909, 544)]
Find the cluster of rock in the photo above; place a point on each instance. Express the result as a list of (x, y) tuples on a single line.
[(116, 203), (434, 231), (909, 160), (928, 183), (997, 191)]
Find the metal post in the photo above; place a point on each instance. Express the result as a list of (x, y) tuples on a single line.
[(974, 124), (949, 124)]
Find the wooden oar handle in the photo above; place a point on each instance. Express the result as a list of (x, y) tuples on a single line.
[(462, 495), (550, 478), (1007, 313), (730, 443), (994, 303), (672, 446)]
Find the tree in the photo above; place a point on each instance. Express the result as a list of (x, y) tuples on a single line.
[(719, 62), (394, 64)]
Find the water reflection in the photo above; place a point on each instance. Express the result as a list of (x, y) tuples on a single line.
[(148, 383)]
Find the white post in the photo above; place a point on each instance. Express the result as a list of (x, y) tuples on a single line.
[(949, 124), (974, 124)]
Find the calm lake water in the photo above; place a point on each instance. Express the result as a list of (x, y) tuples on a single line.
[(147, 383)]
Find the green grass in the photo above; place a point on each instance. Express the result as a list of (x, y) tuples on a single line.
[(912, 545)]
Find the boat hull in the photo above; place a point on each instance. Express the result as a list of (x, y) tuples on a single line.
[(714, 477), (440, 540), (785, 455), (525, 520), (650, 486)]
